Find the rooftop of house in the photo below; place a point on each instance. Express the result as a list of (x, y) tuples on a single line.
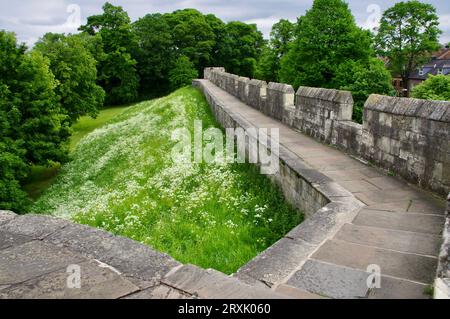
[(434, 67)]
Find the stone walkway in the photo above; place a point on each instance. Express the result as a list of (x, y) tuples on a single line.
[(398, 229)]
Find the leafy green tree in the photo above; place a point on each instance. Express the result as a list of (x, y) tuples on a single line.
[(219, 29), (183, 73), (192, 36), (434, 88), (363, 80), (75, 69), (281, 37), (34, 129), (326, 37), (407, 36), (117, 66), (156, 53), (241, 48)]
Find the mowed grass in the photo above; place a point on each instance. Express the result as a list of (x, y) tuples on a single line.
[(87, 124), (122, 179), (41, 177)]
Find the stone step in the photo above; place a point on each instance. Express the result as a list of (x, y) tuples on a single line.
[(330, 280), (420, 223), (403, 241), (211, 284), (392, 263)]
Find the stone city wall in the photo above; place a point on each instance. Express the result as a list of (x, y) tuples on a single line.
[(410, 137)]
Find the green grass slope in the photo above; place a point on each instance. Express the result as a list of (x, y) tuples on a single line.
[(122, 179)]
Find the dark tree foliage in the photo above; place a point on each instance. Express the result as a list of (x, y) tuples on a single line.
[(407, 36), (326, 37), (116, 64), (192, 36), (34, 128), (183, 73), (240, 48), (155, 54), (281, 37), (75, 69)]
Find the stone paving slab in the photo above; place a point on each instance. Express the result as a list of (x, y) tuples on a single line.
[(394, 288), (277, 262), (413, 222), (35, 226), (8, 239), (160, 292), (403, 241), (33, 259), (212, 284), (129, 257), (97, 282), (331, 280), (409, 266)]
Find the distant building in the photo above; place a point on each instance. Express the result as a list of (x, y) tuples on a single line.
[(439, 64)]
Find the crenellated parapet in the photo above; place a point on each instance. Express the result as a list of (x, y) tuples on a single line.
[(409, 137)]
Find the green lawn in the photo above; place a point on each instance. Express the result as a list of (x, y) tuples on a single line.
[(87, 124), (122, 179), (42, 177)]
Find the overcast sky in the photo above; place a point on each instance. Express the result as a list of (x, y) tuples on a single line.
[(30, 19)]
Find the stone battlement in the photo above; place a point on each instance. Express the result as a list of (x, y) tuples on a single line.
[(410, 137)]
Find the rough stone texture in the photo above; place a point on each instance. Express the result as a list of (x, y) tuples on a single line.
[(317, 110), (6, 216), (212, 284), (331, 280), (442, 282), (412, 267), (279, 97), (97, 282), (126, 255)]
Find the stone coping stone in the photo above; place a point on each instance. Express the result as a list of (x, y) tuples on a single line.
[(211, 284), (344, 97), (281, 87), (432, 110)]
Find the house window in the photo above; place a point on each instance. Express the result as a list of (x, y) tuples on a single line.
[(421, 72), (440, 71)]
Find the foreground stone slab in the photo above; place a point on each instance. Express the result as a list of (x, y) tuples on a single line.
[(420, 223), (214, 285), (160, 292), (127, 256), (6, 216), (277, 262), (35, 226), (401, 265), (394, 288), (8, 239), (97, 282), (330, 280), (33, 259), (410, 242)]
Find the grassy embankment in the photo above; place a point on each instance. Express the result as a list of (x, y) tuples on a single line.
[(122, 179)]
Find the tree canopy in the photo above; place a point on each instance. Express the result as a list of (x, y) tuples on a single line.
[(407, 36), (117, 65), (434, 88), (34, 128), (75, 69)]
